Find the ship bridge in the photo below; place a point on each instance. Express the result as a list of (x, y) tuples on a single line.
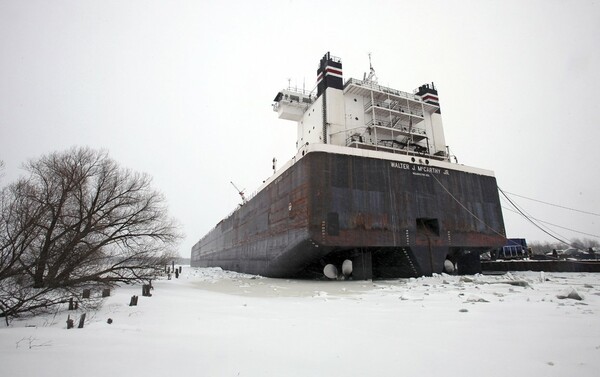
[(291, 104)]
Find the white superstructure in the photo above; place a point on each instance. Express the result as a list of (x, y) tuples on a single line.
[(363, 114)]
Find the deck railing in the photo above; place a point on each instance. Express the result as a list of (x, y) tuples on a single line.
[(381, 88)]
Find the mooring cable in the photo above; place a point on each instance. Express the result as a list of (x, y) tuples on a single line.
[(555, 225), (555, 205), (531, 221)]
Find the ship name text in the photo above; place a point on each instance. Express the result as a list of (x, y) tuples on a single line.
[(418, 169)]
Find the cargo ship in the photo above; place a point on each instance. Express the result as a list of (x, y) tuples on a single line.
[(372, 193)]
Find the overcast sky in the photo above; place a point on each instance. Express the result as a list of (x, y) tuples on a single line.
[(182, 90)]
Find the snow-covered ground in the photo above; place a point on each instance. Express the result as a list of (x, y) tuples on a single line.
[(211, 322)]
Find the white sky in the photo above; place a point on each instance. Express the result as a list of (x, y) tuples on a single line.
[(182, 90)]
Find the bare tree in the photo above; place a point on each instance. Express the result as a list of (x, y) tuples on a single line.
[(79, 220), (18, 219), (547, 247)]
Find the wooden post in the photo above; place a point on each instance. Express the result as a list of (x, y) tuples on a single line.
[(176, 274), (180, 269), (133, 301), (86, 293), (69, 322), (146, 290), (81, 321), (71, 306)]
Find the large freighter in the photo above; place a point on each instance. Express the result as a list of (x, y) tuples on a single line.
[(371, 191)]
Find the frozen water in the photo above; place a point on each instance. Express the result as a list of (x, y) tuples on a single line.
[(211, 322)]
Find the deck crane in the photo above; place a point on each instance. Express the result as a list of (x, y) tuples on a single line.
[(241, 192)]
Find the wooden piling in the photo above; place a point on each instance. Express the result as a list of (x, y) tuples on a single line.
[(146, 290), (69, 322), (81, 321)]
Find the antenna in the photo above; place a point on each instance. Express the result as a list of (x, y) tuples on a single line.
[(241, 192), (372, 77), (289, 83), (274, 165)]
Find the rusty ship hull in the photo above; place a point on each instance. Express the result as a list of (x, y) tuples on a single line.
[(399, 217)]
